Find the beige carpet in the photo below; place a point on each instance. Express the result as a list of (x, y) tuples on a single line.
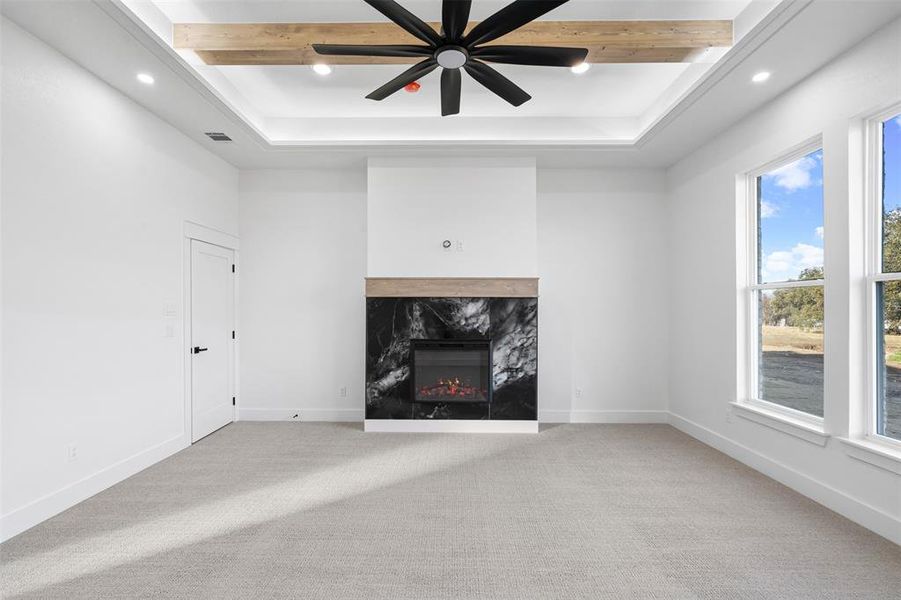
[(291, 510)]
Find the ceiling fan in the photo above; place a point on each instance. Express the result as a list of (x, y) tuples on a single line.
[(452, 49)]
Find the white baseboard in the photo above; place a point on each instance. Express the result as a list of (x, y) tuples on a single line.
[(861, 513), (545, 416), (553, 416), (603, 416), (301, 414), (56, 502), (449, 426), (619, 416)]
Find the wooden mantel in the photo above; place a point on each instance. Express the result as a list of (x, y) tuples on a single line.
[(451, 287)]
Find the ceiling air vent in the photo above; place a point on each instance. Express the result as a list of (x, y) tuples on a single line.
[(217, 136)]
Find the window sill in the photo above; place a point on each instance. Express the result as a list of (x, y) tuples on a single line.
[(873, 453), (809, 432)]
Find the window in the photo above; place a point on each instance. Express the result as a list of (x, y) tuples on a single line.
[(786, 274), (885, 412)]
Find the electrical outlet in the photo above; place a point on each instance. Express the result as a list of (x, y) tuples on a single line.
[(578, 392), (71, 453), (459, 245), (343, 392)]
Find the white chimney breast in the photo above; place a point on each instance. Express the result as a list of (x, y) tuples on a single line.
[(415, 205)]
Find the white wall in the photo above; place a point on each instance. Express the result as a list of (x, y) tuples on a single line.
[(302, 312), (485, 206), (95, 191), (303, 260), (702, 265), (602, 322)]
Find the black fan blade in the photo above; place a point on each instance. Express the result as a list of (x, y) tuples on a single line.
[(496, 82), (454, 17), (450, 92), (532, 55), (513, 16), (409, 76), (407, 20), (363, 50)]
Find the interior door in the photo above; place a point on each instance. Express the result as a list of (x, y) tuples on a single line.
[(212, 347)]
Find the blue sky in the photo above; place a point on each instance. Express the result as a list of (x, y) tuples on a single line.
[(791, 209), (791, 218), (891, 141)]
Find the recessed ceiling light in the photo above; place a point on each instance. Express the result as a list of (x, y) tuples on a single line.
[(761, 77), (322, 69), (581, 67), (146, 78)]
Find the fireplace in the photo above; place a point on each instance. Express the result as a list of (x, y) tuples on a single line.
[(417, 348), (451, 371)]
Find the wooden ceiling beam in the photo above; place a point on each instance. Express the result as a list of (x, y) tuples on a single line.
[(290, 43), (308, 56)]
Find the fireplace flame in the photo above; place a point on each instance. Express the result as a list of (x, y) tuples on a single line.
[(453, 389)]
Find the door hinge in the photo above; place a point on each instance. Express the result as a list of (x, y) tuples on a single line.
[(233, 334), (233, 268), (233, 400)]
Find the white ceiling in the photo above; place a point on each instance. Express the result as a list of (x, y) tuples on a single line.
[(340, 11), (604, 91), (793, 40), (618, 98)]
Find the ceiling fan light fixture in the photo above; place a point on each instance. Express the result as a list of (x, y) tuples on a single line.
[(451, 57), (580, 68)]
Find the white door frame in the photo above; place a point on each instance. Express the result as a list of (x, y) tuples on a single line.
[(195, 231)]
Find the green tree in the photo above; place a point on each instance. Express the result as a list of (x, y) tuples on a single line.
[(803, 307), (891, 241), (891, 262), (796, 307)]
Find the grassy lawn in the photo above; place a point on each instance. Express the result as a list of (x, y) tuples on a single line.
[(795, 339), (792, 339)]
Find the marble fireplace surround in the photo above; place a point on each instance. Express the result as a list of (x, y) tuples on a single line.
[(503, 310)]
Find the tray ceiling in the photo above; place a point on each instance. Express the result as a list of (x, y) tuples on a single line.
[(293, 104)]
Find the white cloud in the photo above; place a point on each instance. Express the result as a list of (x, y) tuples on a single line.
[(796, 175), (784, 264), (808, 256), (819, 232), (778, 262), (767, 209)]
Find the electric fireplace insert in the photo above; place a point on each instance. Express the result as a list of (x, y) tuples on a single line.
[(451, 371)]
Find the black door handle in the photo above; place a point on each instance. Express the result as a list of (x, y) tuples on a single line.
[(198, 349)]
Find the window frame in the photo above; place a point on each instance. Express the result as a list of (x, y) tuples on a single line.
[(752, 287), (875, 275)]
